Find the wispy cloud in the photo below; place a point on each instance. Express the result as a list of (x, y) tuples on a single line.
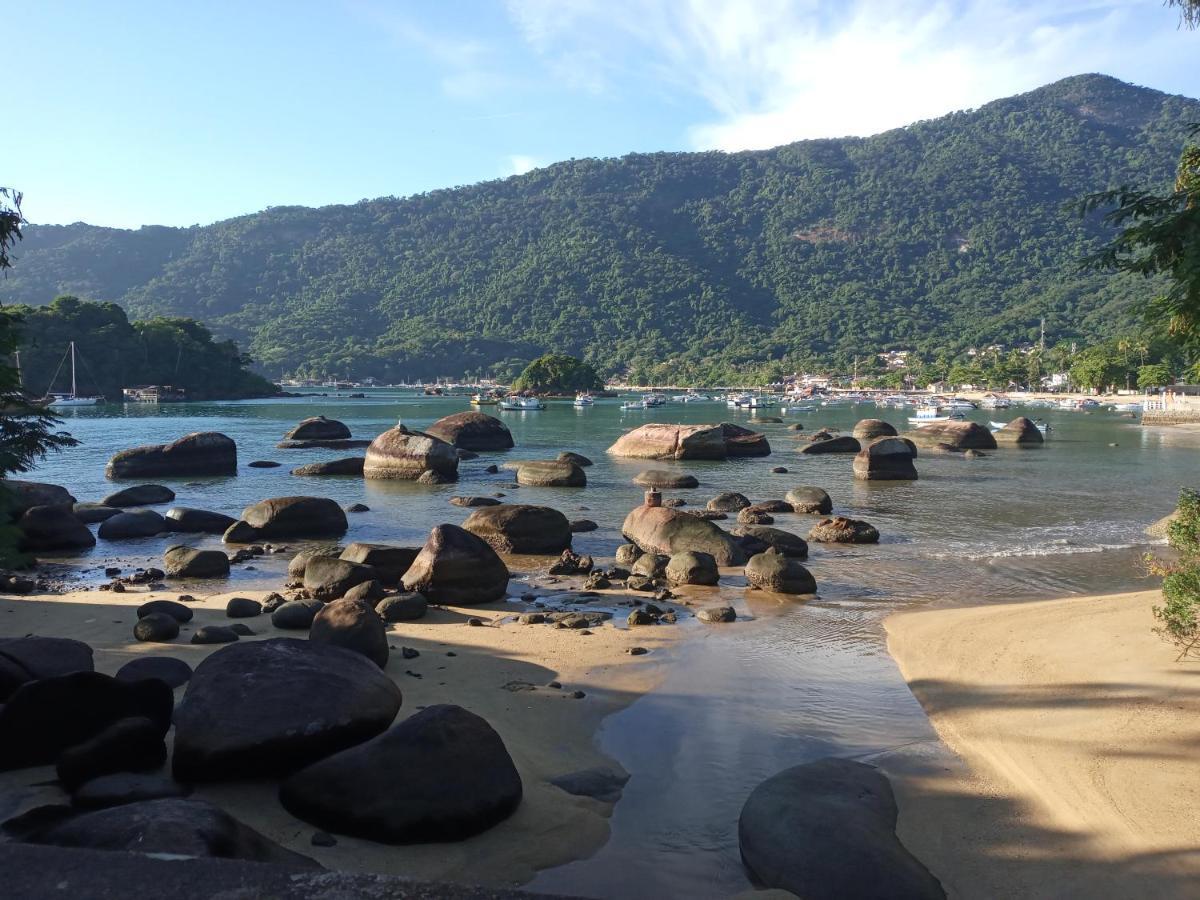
[(774, 71), (519, 164)]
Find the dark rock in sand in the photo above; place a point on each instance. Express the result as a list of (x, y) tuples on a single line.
[(717, 614), (178, 611), (188, 562), (273, 601), (389, 561), (402, 607), (597, 581), (728, 501), (472, 431), (295, 517), (243, 608), (887, 459), (810, 500), (172, 827), (328, 579), (173, 672), (299, 562), (826, 830), (578, 458), (456, 567), (692, 568), (134, 524), (578, 620), (197, 521), (665, 478), (519, 528), (318, 428), (353, 625), (843, 444), (140, 495), (240, 717), (868, 430), (30, 658), (53, 528), (25, 495), (369, 591), (550, 473), (199, 453), (599, 784), (120, 788), (296, 615), (474, 501), (134, 744), (640, 617), (791, 545), (91, 513), (215, 634), (571, 563), (443, 774), (772, 571), (400, 454), (841, 530), (656, 529), (350, 465), (1020, 432), (156, 627)]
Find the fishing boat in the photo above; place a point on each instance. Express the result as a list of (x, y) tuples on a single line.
[(74, 398), (929, 415), (803, 408), (994, 401), (634, 404), (514, 403), (653, 400), (483, 400), (1043, 427), (584, 400), (958, 404)]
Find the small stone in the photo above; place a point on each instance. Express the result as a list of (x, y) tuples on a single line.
[(356, 508), (780, 470), (474, 622), (577, 695), (636, 651), (409, 653), (323, 839), (554, 684), (532, 618)]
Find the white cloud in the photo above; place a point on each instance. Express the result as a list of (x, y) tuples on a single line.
[(775, 71), (519, 164)]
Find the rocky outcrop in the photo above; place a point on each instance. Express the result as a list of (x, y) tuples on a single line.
[(198, 521), (188, 562), (199, 453), (350, 465), (517, 528), (24, 495), (772, 571), (550, 473), (741, 441), (841, 444), (1020, 432), (809, 499), (241, 716), (887, 459), (827, 831), (353, 625), (404, 455), (457, 568), (390, 562), (472, 431), (289, 517), (952, 436), (691, 567), (50, 529), (318, 428), (443, 774), (659, 529), (665, 478), (867, 430), (841, 530), (140, 495)]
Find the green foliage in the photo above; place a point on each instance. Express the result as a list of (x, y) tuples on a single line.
[(1178, 617), (557, 373), (702, 268), (115, 353), (1153, 375)]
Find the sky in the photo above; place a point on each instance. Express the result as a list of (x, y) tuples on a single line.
[(126, 113)]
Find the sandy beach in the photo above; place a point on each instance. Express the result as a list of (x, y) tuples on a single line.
[(500, 671), (1076, 734)]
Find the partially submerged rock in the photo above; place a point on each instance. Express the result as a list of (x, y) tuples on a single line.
[(140, 495), (457, 567), (188, 562), (519, 528), (201, 521), (318, 428), (23, 495), (780, 574), (728, 501), (550, 473), (665, 478), (760, 537), (406, 455), (810, 500), (691, 567), (658, 529), (47, 529), (1020, 432), (351, 465), (887, 459), (289, 517), (842, 530), (867, 430), (842, 444), (663, 441), (132, 524), (952, 436), (472, 431), (199, 453)]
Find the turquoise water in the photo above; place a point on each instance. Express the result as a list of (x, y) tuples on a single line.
[(793, 681)]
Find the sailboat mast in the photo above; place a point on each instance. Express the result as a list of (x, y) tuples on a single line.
[(72, 368)]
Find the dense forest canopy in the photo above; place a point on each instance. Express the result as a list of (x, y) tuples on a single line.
[(947, 234), (557, 373), (114, 353)]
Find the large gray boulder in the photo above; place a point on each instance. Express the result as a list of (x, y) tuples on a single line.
[(318, 428), (132, 524), (660, 529), (328, 578), (550, 473), (443, 774), (290, 517), (188, 562), (472, 431), (808, 499), (197, 521), (48, 529), (23, 495), (691, 567), (1020, 432), (404, 455), (952, 436), (662, 441), (140, 495), (887, 459), (353, 625), (456, 567), (518, 528), (265, 708), (867, 430), (772, 571), (389, 561), (827, 831), (199, 453)]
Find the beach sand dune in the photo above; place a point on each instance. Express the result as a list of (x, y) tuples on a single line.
[(1077, 737)]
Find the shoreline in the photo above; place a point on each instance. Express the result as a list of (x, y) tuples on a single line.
[(1067, 757)]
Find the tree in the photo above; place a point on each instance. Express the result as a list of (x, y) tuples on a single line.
[(1095, 368), (1189, 12), (557, 373), (1153, 375), (1177, 617)]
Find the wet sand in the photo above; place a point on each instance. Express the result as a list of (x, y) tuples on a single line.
[(500, 671), (1076, 734)]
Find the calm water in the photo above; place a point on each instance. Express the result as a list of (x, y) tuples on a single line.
[(793, 682)]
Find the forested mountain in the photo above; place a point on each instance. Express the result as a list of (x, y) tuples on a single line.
[(943, 234)]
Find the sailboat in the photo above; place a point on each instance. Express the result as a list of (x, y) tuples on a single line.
[(73, 398)]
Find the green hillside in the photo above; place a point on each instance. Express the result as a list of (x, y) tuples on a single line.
[(944, 234)]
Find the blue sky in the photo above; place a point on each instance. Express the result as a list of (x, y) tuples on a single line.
[(126, 113)]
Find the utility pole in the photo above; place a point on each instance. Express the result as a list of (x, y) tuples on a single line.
[(1042, 339)]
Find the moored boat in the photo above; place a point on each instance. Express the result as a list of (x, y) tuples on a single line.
[(514, 403)]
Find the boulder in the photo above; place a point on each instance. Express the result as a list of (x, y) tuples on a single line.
[(330, 444), (518, 528), (741, 441), (728, 501), (318, 428), (470, 502), (627, 554), (370, 591), (472, 431), (353, 625), (658, 529), (578, 458), (30, 658), (328, 578), (810, 500), (652, 565), (841, 530), (180, 612), (90, 513), (952, 436), (299, 562), (772, 571), (120, 788), (25, 495), (264, 464), (188, 562), (826, 830), (296, 615), (351, 465), (443, 774), (571, 563), (243, 608), (581, 526), (265, 708), (842, 444), (215, 634), (771, 506), (292, 517), (690, 567), (790, 545), (43, 718), (456, 567), (389, 562), (887, 459), (752, 516), (48, 529), (199, 453), (172, 672), (133, 524), (665, 478), (402, 607), (140, 495), (550, 473), (867, 430), (714, 615), (172, 828), (239, 533), (134, 744), (662, 441), (1020, 432), (157, 628), (406, 455), (197, 521)]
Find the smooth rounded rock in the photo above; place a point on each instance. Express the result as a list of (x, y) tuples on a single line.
[(353, 625)]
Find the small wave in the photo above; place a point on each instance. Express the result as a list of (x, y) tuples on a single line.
[(1056, 548)]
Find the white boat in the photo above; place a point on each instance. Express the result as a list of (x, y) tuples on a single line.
[(991, 401), (634, 404), (1127, 407), (929, 414), (804, 408), (758, 402), (582, 400), (483, 400), (734, 401), (958, 404), (1043, 427), (690, 398), (521, 404), (652, 400), (73, 398)]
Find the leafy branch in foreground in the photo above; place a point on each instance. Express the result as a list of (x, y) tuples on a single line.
[(1179, 615)]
